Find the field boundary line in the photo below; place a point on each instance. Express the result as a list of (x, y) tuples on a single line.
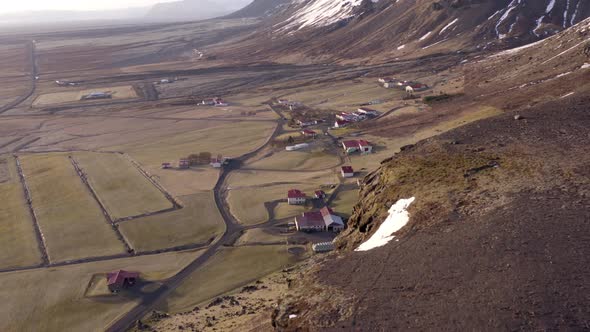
[(41, 242), (175, 202), (108, 218)]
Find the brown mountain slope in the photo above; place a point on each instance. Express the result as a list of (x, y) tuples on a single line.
[(385, 30), (498, 233), (500, 248)]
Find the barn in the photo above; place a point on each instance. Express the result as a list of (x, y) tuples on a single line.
[(121, 279)]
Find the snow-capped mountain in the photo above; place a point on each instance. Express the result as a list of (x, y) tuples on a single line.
[(398, 28), (319, 13)]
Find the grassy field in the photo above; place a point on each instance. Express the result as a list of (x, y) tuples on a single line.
[(122, 189), (345, 200), (247, 203), (197, 222), (118, 92), (53, 299), (258, 235), (231, 140), (341, 95), (18, 243), (185, 181), (69, 217), (228, 269), (317, 159), (248, 178)]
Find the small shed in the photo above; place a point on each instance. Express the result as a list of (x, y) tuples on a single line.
[(347, 171), (166, 165), (121, 279), (309, 133), (341, 123), (323, 247), (319, 194)]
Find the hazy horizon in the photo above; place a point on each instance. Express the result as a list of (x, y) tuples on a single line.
[(24, 6)]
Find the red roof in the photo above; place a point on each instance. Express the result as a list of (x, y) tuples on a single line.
[(118, 277), (362, 143), (347, 169), (350, 144), (295, 193), (308, 132), (320, 193), (326, 211), (310, 219)]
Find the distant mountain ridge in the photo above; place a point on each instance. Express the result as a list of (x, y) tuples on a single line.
[(194, 9)]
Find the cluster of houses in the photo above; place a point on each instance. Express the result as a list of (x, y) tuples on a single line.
[(297, 197), (323, 220), (217, 102), (408, 86), (360, 145), (343, 119)]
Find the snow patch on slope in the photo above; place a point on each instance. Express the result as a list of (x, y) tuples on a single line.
[(398, 218), (322, 12)]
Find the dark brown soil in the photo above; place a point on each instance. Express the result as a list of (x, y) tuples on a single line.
[(511, 252)]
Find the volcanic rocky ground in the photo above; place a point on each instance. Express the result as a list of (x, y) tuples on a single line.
[(498, 236)]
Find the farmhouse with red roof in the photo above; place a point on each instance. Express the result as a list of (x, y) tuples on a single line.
[(347, 172), (121, 279), (357, 145), (295, 197)]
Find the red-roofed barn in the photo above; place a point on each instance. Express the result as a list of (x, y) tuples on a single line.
[(121, 279)]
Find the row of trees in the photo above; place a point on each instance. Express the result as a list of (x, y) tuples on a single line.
[(201, 158)]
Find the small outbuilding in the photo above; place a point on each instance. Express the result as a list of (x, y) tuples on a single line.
[(322, 247), (166, 165), (119, 280), (347, 171), (216, 163), (309, 133), (319, 194), (341, 123), (296, 197)]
